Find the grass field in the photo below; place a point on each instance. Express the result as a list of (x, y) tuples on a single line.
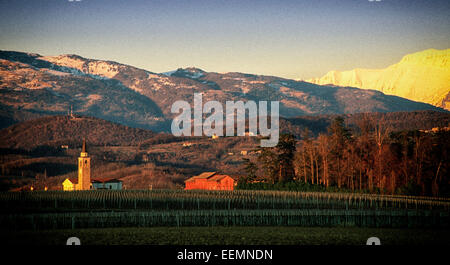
[(230, 236)]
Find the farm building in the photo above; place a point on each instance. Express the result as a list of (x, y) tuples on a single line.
[(210, 181), (106, 184)]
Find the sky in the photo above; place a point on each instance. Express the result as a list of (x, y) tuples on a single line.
[(292, 39)]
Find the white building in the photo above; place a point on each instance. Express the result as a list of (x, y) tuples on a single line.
[(106, 184)]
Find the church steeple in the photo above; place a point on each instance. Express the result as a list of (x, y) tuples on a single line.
[(83, 149), (84, 145), (84, 169)]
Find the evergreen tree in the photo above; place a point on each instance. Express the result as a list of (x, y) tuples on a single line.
[(250, 168), (278, 162)]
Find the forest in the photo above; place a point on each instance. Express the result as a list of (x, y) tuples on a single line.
[(370, 157)]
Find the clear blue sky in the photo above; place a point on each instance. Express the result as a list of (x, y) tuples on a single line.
[(293, 39)]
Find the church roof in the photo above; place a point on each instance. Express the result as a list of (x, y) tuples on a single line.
[(73, 180), (84, 146)]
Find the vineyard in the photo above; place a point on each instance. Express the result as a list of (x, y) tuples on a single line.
[(178, 208)]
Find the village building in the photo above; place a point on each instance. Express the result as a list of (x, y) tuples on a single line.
[(106, 184), (210, 181), (84, 173), (70, 184), (84, 176)]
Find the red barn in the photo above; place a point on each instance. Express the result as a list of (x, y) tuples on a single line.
[(210, 181)]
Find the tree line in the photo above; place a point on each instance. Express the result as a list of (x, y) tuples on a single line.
[(371, 157)]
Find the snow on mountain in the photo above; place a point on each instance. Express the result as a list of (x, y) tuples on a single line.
[(93, 67), (31, 84), (423, 76)]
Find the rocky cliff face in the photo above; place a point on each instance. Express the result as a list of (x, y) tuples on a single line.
[(423, 76)]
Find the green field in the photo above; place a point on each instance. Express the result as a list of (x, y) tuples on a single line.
[(221, 217), (230, 236)]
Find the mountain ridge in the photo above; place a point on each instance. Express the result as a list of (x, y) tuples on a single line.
[(33, 85), (422, 76)]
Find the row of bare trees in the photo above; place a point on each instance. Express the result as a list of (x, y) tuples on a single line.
[(372, 157)]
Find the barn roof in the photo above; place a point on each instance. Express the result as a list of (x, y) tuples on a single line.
[(218, 177), (204, 175), (210, 176)]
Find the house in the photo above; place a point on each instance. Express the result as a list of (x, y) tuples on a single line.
[(210, 181), (70, 184), (106, 184)]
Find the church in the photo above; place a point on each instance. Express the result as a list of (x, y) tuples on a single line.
[(84, 173), (84, 176)]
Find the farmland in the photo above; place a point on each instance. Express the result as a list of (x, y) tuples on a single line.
[(239, 235), (41, 211)]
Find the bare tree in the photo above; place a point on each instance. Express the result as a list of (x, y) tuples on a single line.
[(324, 154), (381, 134)]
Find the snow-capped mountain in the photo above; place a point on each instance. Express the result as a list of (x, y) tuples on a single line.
[(32, 85), (423, 76)]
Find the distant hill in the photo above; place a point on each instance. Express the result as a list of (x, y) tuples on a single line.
[(32, 85), (423, 76), (396, 121), (64, 130)]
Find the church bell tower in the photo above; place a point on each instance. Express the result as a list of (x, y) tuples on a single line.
[(84, 169)]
